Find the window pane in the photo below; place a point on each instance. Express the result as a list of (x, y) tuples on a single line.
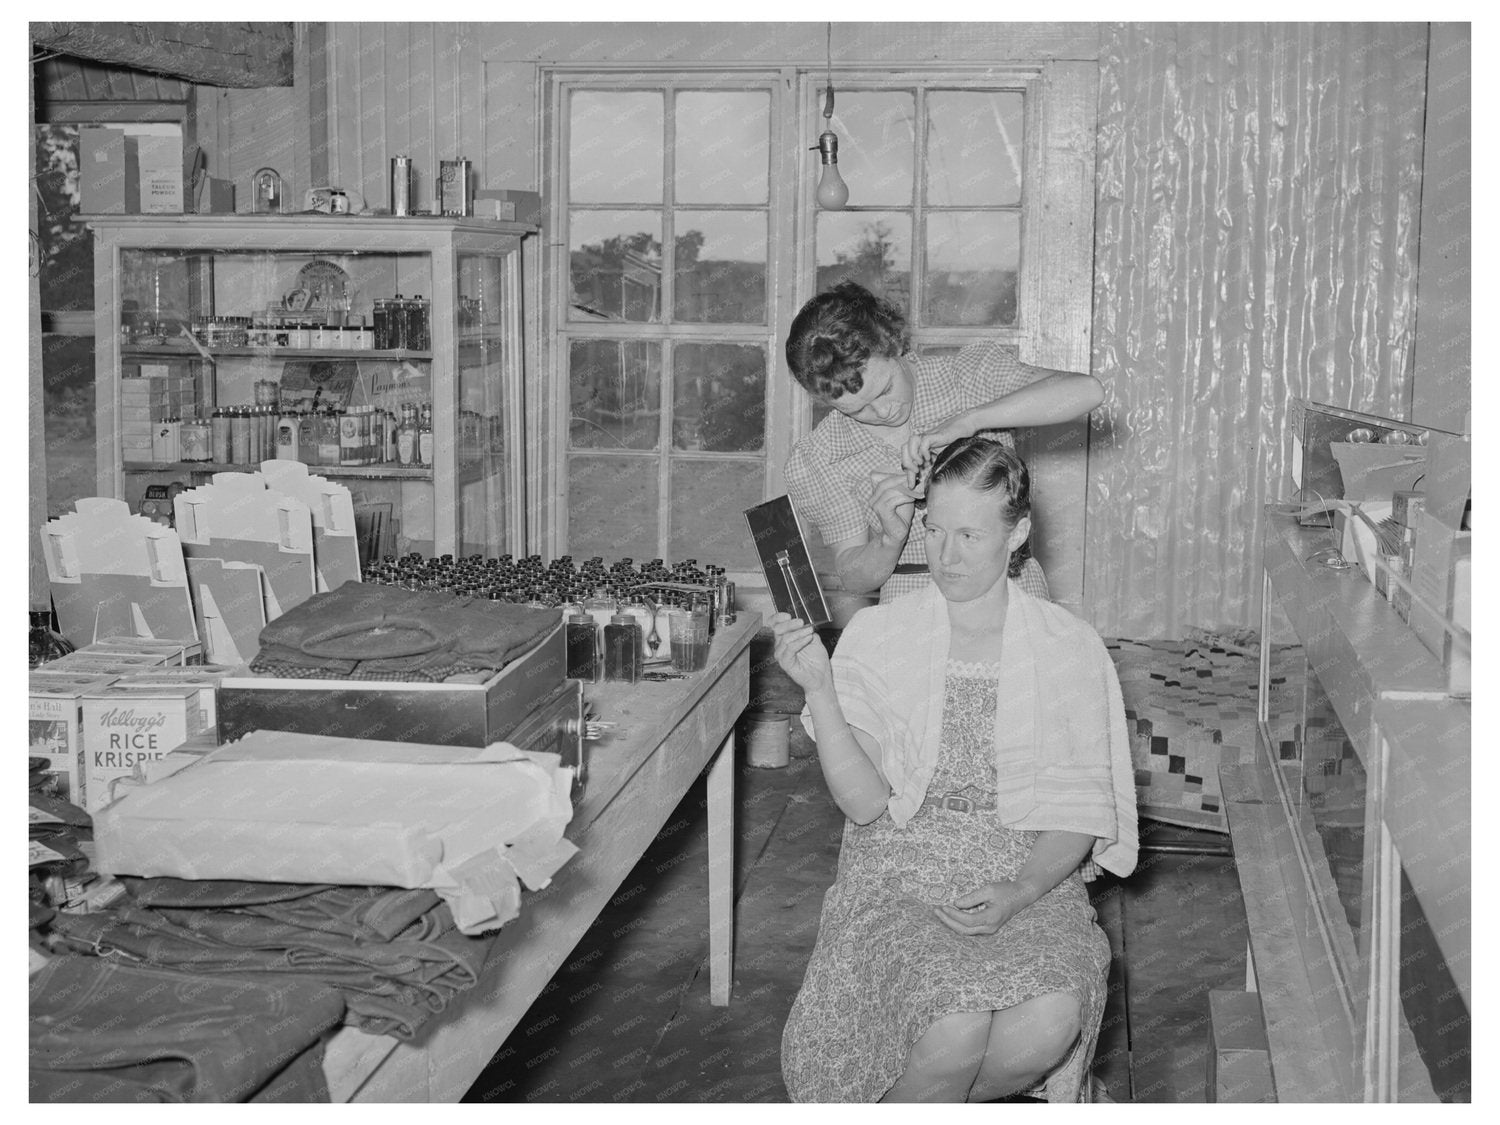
[(614, 391), (709, 498), (877, 145), (615, 147), (973, 148), (723, 146), (719, 400), (612, 507), (721, 267), (872, 249), (67, 247), (973, 261), (615, 265), (68, 411)]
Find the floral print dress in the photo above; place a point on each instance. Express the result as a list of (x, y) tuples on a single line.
[(885, 968)]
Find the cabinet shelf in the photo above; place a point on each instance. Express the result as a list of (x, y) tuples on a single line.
[(186, 351), (468, 471), (376, 472)]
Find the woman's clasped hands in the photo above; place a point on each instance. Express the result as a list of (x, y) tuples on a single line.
[(983, 910)]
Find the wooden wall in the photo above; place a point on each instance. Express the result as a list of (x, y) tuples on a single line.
[(1259, 191)]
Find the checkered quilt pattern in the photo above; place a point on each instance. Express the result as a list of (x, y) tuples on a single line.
[(1190, 705)]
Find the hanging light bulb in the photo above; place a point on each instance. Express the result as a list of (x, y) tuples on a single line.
[(832, 192)]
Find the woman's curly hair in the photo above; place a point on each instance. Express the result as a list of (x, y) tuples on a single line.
[(986, 465), (836, 333)]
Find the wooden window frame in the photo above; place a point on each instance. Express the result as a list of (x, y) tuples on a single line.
[(1054, 300)]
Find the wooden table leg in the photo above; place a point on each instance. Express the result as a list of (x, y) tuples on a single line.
[(721, 873)]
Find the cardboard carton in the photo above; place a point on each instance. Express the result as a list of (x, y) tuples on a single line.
[(109, 181), (55, 729), (508, 205), (124, 724), (160, 161)]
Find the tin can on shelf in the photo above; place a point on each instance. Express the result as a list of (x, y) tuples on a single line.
[(401, 176)]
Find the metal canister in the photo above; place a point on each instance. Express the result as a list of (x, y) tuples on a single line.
[(401, 185)]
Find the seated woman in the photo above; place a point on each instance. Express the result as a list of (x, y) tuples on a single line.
[(974, 736)]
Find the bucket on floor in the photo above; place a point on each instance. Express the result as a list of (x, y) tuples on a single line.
[(767, 740)]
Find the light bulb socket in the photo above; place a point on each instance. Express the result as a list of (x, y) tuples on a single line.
[(828, 147)]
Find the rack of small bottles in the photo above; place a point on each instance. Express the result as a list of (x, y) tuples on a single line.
[(330, 435), (615, 615)]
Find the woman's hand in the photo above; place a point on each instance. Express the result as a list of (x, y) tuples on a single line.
[(800, 653), (920, 449), (985, 909), (895, 502)]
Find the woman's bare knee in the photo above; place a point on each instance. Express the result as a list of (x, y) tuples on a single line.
[(1026, 1043), (1051, 1021), (954, 1042)]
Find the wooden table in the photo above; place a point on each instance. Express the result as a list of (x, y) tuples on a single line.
[(665, 734)]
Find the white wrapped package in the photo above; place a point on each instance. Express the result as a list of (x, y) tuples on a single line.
[(281, 807)]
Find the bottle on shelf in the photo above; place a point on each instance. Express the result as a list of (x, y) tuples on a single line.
[(219, 426), (239, 436), (622, 654), (329, 447), (349, 443), (289, 437), (424, 436), (407, 435)]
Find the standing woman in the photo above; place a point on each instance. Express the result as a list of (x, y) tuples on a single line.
[(854, 476)]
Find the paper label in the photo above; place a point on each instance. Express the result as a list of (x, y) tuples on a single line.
[(40, 853)]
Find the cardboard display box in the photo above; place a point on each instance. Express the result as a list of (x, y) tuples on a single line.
[(450, 714)]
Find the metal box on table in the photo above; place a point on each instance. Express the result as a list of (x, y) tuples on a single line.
[(451, 714)]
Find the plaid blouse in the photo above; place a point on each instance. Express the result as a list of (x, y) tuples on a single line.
[(828, 473)]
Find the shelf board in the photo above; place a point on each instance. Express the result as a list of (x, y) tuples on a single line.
[(377, 472), (170, 351)]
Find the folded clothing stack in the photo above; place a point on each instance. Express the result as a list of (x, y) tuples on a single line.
[(363, 631), (101, 1031), (392, 955)]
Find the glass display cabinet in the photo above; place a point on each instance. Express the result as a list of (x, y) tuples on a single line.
[(386, 353), (1352, 840)]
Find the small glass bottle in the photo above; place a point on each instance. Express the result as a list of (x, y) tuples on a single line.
[(307, 437), (288, 436), (328, 437), (349, 438), (45, 642), (424, 436), (582, 643), (406, 435), (622, 654)]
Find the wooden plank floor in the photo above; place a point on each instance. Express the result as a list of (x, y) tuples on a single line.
[(628, 1017)]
